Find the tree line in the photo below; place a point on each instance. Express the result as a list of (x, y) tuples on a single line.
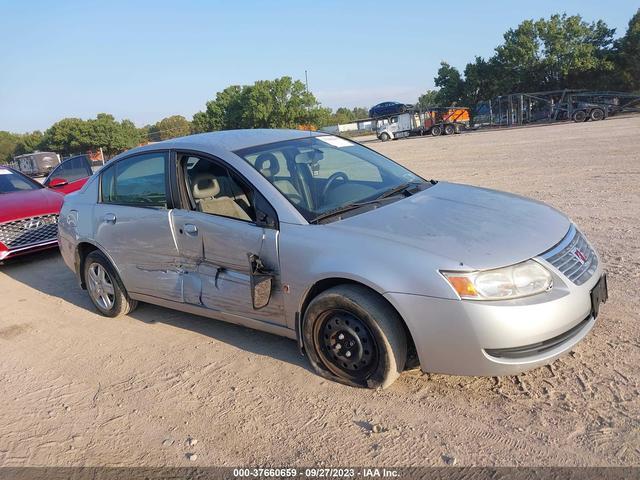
[(546, 54)]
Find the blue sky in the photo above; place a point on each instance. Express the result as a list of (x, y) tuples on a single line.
[(145, 60)]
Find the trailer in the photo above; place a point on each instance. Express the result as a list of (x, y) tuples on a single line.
[(554, 106), (36, 164), (432, 121)]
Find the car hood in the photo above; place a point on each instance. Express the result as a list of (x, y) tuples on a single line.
[(475, 228), (29, 203)]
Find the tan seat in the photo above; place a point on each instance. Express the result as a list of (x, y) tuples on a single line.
[(267, 164), (206, 193)]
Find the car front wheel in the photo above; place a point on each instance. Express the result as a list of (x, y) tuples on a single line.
[(105, 288), (353, 336)]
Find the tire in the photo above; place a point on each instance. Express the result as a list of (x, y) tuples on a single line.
[(596, 114), (449, 130), (384, 137), (105, 288), (436, 130), (580, 116), (373, 351)]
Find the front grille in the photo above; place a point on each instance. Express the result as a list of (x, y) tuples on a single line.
[(574, 257), (29, 231), (540, 347)]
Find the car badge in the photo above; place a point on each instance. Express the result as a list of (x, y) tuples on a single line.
[(31, 224), (579, 255)]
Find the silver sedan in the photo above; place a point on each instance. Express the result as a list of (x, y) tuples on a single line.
[(369, 267)]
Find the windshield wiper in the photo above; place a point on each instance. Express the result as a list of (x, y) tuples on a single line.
[(403, 187), (344, 208)]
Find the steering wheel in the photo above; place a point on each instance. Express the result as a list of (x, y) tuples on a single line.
[(333, 179)]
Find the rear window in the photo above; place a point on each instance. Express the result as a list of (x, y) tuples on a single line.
[(137, 181)]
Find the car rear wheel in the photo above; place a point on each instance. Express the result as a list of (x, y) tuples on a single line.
[(436, 131), (105, 288), (596, 114), (351, 335)]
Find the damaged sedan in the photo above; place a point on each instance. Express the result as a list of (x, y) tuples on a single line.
[(369, 267)]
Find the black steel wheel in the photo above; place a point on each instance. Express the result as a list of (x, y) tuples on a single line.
[(384, 136), (345, 345), (579, 116), (596, 114), (353, 336), (436, 130), (449, 129)]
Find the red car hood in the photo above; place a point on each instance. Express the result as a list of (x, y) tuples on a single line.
[(30, 203)]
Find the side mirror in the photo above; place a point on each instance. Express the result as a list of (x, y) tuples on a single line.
[(261, 283), (58, 182)]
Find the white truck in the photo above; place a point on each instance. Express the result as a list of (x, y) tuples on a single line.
[(434, 121)]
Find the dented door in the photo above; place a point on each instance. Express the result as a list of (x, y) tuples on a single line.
[(140, 242), (215, 257)]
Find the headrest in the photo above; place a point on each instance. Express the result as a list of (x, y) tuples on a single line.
[(205, 186), (267, 164)]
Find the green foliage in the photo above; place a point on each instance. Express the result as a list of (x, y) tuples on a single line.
[(430, 98), (279, 103), (450, 83), (8, 143), (546, 54), (628, 59), (74, 135), (170, 127)]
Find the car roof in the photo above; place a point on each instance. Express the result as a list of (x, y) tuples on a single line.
[(230, 140)]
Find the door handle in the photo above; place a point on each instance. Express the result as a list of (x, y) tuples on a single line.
[(109, 218), (190, 229)]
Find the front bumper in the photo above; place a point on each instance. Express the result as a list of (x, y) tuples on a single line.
[(495, 338), (16, 252)]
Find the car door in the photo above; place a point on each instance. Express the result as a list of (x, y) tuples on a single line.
[(216, 233), (70, 175), (132, 225)]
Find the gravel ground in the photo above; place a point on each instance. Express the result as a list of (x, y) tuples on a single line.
[(80, 389)]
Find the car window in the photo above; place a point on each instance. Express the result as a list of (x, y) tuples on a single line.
[(216, 190), (336, 160), (71, 170), (330, 172), (14, 182), (138, 180)]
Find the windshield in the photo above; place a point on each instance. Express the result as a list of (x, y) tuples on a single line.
[(11, 181), (326, 173)]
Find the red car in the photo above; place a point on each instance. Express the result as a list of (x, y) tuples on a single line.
[(70, 175), (29, 211)]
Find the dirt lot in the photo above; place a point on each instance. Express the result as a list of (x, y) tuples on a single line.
[(80, 389)]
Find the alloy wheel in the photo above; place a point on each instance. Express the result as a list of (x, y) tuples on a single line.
[(100, 286)]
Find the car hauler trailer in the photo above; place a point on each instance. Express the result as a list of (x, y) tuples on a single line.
[(37, 164), (433, 121)]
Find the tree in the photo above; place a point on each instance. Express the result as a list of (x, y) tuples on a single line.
[(170, 127), (279, 103), (628, 49), (450, 83), (69, 135), (29, 142), (8, 143), (430, 98)]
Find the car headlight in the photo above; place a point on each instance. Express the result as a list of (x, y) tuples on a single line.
[(520, 280)]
